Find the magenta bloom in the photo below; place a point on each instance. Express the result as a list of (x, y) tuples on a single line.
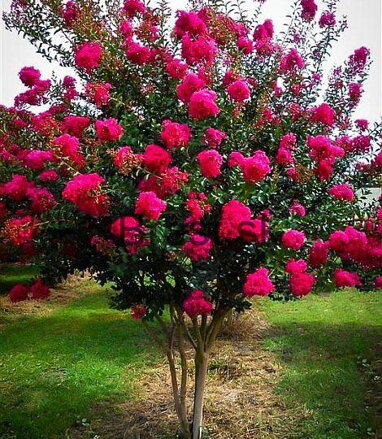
[(210, 162), (213, 137), (324, 114), (293, 239), (136, 53), (342, 192), (295, 267), (292, 60), (88, 55), (301, 284), (156, 159), (75, 125), (85, 192), (258, 283), (318, 255), (345, 278), (176, 69), (149, 205), (175, 134), (297, 209), (327, 19), (18, 293), (198, 247), (190, 84), (29, 76), (39, 290), (309, 9), (108, 130), (254, 168), (202, 104), (239, 91), (196, 304)]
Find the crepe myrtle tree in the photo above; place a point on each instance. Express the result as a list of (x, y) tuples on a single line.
[(193, 161)]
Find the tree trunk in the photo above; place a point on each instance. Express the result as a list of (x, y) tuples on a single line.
[(201, 364), (180, 406)]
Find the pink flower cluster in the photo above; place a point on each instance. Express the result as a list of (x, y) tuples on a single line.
[(325, 154), (318, 254), (324, 114), (196, 304), (202, 104), (168, 183), (236, 221), (156, 159), (327, 19), (213, 137), (197, 205), (66, 147), (254, 168), (291, 61), (19, 231), (198, 247), (88, 55), (297, 209), (355, 245), (125, 159), (345, 278), (131, 232), (108, 130), (284, 154), (31, 78), (137, 53), (175, 134), (134, 7), (210, 162), (239, 91), (75, 125), (86, 193), (258, 283), (190, 84), (293, 239), (309, 9), (300, 282), (20, 292), (150, 206), (201, 49), (98, 92), (342, 192), (176, 68)]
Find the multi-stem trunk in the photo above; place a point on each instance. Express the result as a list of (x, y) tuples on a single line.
[(202, 339)]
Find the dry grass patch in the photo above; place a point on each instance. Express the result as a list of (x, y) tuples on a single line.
[(240, 398), (64, 293)]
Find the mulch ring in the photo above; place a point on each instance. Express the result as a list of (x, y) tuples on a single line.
[(240, 399)]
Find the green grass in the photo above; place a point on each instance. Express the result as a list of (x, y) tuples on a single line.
[(58, 363), (11, 274), (55, 367), (326, 344)]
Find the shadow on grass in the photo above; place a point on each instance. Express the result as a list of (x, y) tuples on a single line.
[(331, 371), (11, 274), (54, 367)]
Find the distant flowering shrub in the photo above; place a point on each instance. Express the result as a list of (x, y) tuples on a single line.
[(193, 161)]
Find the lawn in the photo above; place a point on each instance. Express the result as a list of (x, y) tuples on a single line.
[(331, 349), (57, 363), (59, 360)]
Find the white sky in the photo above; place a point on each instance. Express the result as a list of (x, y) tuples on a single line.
[(365, 29)]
